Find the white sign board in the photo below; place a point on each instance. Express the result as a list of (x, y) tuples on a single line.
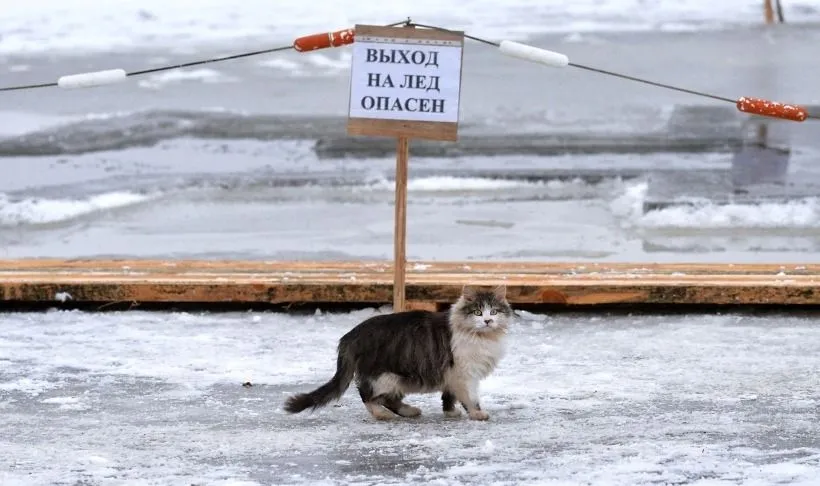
[(406, 78)]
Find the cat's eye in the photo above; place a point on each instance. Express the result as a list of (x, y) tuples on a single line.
[(493, 312), (477, 312)]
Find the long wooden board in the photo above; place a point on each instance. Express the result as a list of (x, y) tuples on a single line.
[(433, 283)]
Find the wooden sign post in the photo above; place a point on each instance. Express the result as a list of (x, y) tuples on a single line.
[(404, 83)]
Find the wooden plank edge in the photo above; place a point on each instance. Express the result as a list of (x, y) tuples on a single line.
[(342, 293), (93, 278), (127, 266)]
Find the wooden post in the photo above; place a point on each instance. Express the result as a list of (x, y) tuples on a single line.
[(400, 220), (400, 224), (768, 11), (404, 83)]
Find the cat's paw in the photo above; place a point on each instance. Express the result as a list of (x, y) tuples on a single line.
[(384, 415), (380, 413), (454, 413), (479, 415), (409, 411)]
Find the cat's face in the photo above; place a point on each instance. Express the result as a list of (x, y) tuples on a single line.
[(484, 310)]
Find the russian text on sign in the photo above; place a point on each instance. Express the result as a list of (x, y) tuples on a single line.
[(412, 79), (386, 103), (402, 56)]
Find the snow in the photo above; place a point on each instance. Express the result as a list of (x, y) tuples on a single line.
[(71, 26), (204, 75), (798, 213), (156, 398), (458, 184), (44, 211), (626, 203)]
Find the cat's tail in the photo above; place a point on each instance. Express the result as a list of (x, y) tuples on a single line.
[(332, 390)]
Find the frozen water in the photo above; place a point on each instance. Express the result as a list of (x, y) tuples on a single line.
[(86, 25), (141, 398), (276, 200)]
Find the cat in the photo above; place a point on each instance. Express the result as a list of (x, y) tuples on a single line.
[(393, 355)]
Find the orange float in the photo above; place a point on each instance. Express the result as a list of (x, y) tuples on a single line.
[(759, 106), (324, 40)]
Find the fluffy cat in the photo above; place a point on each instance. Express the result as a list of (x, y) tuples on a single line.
[(393, 355)]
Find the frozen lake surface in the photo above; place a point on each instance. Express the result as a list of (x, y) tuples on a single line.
[(207, 164), (202, 163), (157, 398)]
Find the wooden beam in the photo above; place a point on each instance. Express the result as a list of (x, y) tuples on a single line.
[(429, 284), (400, 224), (768, 12)]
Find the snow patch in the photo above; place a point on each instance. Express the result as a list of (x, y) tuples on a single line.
[(15, 212), (204, 75), (80, 26)]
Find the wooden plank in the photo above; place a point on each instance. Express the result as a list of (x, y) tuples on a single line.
[(422, 305), (418, 278), (408, 33), (429, 284), (368, 127), (440, 266), (768, 12)]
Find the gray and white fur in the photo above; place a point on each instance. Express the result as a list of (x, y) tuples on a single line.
[(394, 355)]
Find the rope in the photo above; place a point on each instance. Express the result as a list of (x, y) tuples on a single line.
[(182, 65), (468, 36), (165, 68), (597, 70), (29, 86), (408, 23), (605, 72), (207, 61), (653, 83)]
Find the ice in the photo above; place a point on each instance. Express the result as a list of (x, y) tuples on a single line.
[(800, 213), (204, 75), (19, 122), (43, 211), (797, 213), (587, 222), (61, 400), (157, 398), (447, 183), (292, 67), (77, 26)]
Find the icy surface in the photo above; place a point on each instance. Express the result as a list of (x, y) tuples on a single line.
[(192, 168), (205, 75), (41, 211), (201, 199), (84, 25), (139, 398)]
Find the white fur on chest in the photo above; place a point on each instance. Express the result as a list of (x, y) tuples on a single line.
[(476, 357)]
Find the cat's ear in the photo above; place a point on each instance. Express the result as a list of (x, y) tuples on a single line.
[(500, 292), (469, 292)]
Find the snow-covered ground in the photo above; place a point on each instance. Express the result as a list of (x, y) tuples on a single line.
[(141, 398)]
